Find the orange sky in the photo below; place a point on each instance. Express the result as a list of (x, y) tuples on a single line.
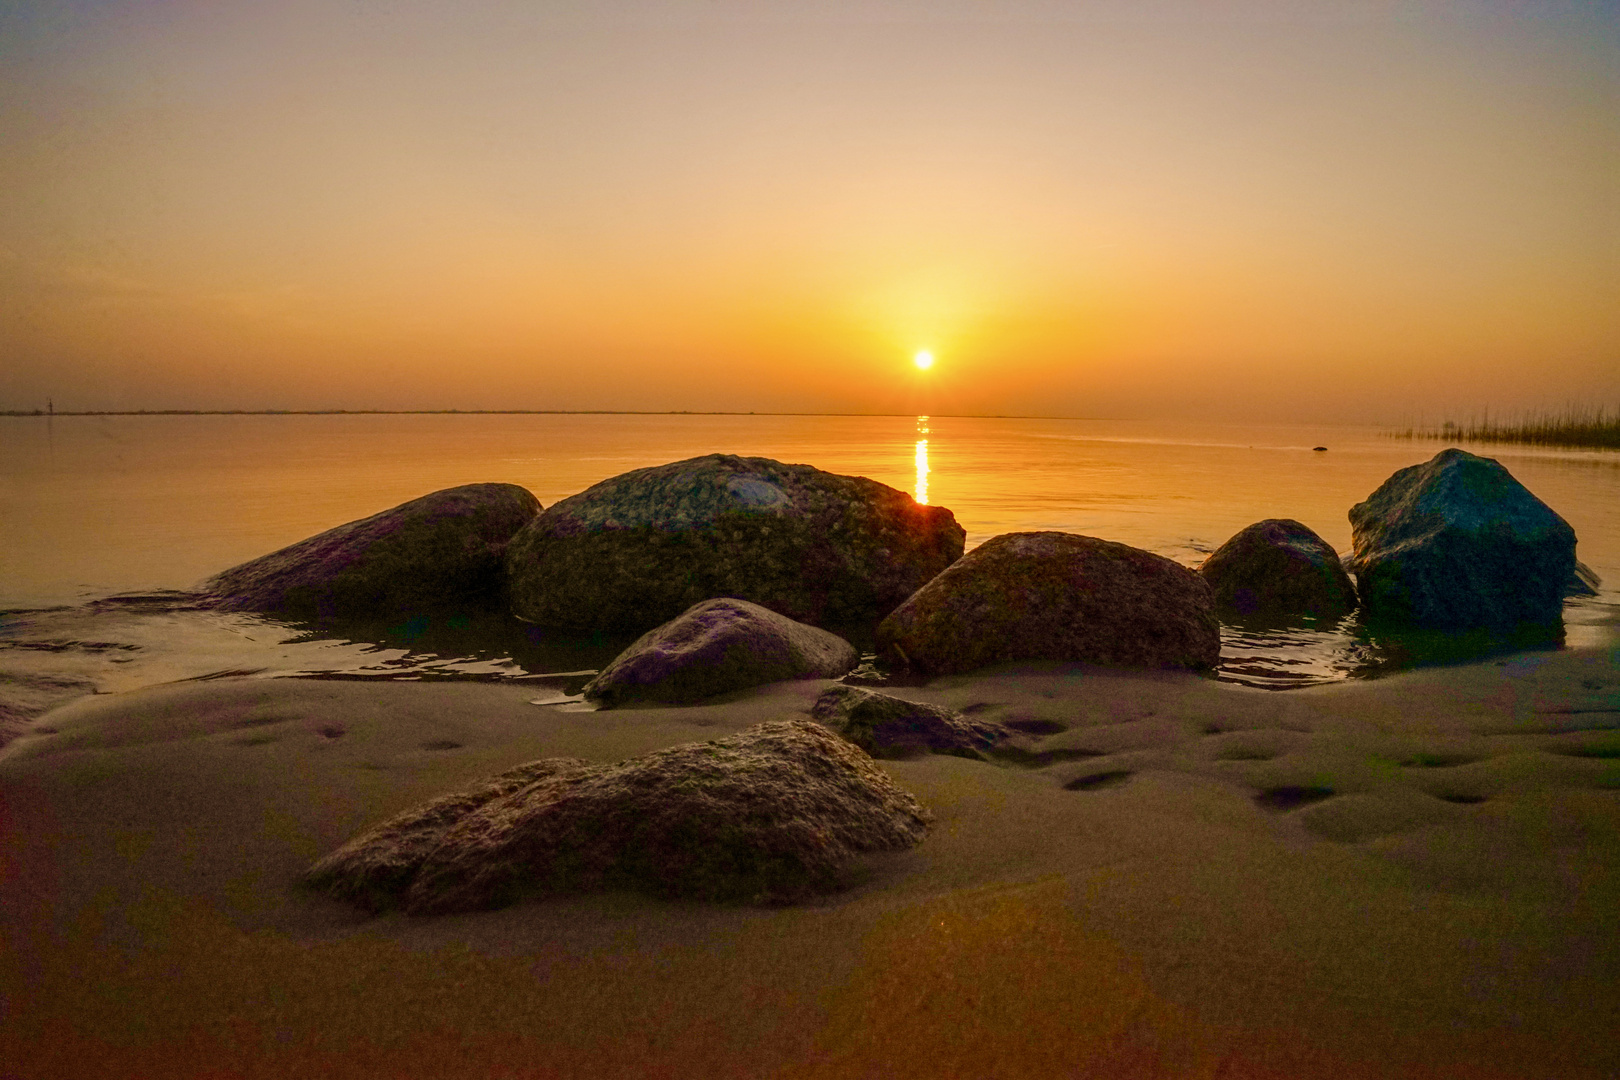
[(1366, 211)]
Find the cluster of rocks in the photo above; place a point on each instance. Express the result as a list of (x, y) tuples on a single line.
[(736, 571)]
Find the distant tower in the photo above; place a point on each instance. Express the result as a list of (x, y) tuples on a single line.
[(50, 407)]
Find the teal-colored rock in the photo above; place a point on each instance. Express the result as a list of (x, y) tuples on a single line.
[(1457, 543)]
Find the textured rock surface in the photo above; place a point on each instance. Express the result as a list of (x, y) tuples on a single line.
[(772, 814), (440, 551), (715, 647), (886, 726), (1458, 543), (1055, 596), (638, 549), (1279, 567)]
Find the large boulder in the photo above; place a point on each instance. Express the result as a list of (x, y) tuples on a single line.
[(441, 551), (886, 726), (716, 647), (1457, 543), (772, 814), (638, 549), (1279, 568), (1055, 596)]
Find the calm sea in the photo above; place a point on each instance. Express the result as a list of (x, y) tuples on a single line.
[(92, 507)]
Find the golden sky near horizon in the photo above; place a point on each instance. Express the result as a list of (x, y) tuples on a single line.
[(1358, 211)]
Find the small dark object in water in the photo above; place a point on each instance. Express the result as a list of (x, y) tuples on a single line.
[(1319, 449)]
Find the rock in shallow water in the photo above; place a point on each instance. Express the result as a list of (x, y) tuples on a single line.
[(772, 814), (1055, 596), (886, 726), (441, 551), (1279, 567), (1457, 543), (716, 647), (637, 550)]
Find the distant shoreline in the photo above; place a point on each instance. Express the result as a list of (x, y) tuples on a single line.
[(518, 412)]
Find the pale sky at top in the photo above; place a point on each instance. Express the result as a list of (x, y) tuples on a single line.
[(1325, 211)]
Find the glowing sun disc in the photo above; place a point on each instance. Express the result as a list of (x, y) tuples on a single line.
[(923, 360)]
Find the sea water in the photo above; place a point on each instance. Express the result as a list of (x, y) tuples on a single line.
[(94, 508)]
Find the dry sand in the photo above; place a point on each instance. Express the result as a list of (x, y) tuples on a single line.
[(1121, 904)]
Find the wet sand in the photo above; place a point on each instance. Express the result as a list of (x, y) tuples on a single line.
[(1414, 876)]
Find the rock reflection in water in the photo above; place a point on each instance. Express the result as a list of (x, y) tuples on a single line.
[(1272, 656)]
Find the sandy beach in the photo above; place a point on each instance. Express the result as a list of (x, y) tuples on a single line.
[(1413, 876)]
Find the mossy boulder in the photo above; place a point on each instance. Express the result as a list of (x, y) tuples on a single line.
[(1055, 596), (1281, 569), (637, 550), (716, 647), (890, 727), (770, 815), (442, 551), (1457, 543)]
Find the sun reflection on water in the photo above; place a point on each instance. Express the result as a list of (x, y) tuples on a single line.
[(921, 494)]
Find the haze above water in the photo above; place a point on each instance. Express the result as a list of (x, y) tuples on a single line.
[(92, 506)]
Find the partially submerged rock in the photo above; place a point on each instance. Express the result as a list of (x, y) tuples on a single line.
[(1055, 596), (1457, 543), (638, 549), (772, 814), (716, 647), (886, 726), (1279, 567), (441, 551)]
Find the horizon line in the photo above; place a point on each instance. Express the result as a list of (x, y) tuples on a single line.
[(523, 412)]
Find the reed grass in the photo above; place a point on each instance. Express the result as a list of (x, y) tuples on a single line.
[(1576, 426)]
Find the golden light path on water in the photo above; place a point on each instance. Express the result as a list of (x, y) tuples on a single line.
[(921, 494)]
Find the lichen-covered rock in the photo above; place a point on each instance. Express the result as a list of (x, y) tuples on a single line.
[(716, 647), (441, 551), (1055, 596), (638, 549), (374, 870), (772, 814), (1279, 567), (1457, 543), (886, 726)]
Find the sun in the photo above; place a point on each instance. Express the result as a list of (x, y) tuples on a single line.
[(924, 359)]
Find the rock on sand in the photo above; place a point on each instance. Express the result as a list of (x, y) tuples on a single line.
[(1282, 568), (638, 549), (1055, 596), (1457, 543), (772, 814), (886, 726), (716, 647), (440, 551)]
